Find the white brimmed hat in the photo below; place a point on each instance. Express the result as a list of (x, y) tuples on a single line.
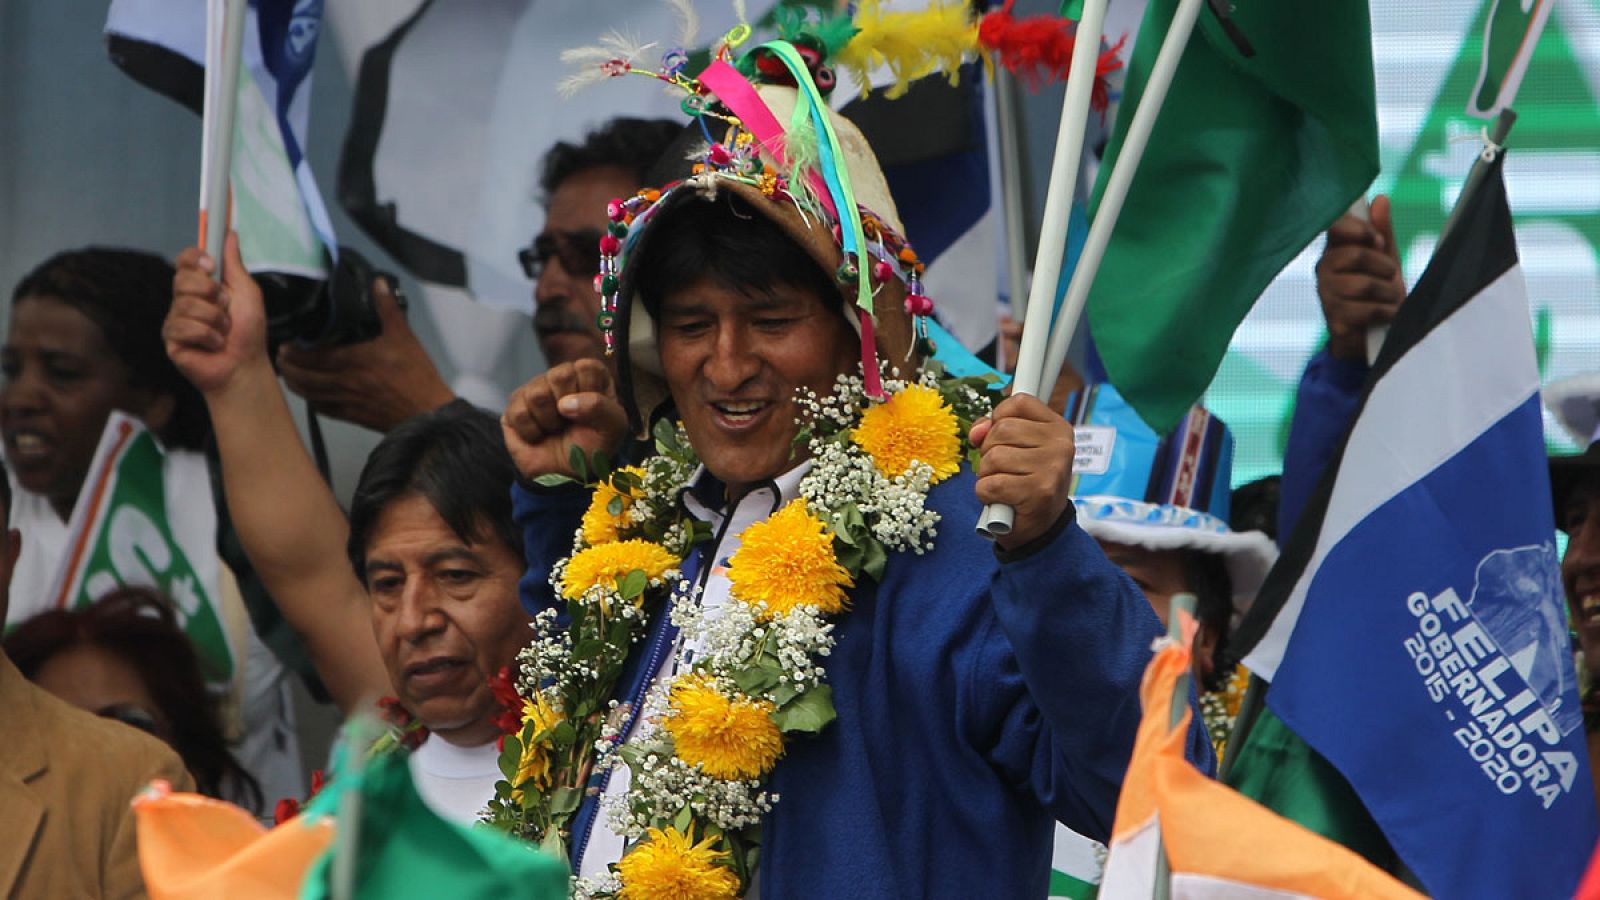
[(1133, 486)]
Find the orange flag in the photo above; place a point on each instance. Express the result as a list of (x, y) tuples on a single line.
[(1218, 843), (196, 848)]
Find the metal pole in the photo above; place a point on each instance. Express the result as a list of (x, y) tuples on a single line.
[(1497, 137), (1008, 125)]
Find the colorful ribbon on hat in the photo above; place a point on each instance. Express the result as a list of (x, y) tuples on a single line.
[(830, 179)]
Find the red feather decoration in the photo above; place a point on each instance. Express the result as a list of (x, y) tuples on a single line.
[(1038, 49)]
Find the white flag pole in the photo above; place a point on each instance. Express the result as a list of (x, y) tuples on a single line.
[(1121, 178), (223, 55), (997, 517)]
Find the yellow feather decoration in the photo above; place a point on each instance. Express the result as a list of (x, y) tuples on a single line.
[(911, 44)]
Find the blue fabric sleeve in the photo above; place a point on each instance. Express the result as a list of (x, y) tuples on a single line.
[(548, 519), (1077, 637), (1330, 391)]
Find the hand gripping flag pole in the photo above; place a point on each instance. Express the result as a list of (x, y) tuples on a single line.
[(996, 518), (1044, 349)]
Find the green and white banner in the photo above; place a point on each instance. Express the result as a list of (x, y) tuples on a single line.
[(124, 533)]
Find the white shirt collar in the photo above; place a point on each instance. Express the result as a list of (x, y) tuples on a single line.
[(703, 489)]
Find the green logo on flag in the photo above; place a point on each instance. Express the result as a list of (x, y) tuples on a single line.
[(130, 542)]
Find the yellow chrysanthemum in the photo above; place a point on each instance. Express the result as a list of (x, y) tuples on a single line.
[(533, 770), (915, 424), (788, 561), (725, 737), (599, 525), (606, 563), (669, 866), (1235, 690)]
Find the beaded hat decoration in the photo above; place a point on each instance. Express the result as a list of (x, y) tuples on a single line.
[(816, 173)]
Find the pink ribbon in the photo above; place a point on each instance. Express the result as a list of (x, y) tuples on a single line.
[(741, 98)]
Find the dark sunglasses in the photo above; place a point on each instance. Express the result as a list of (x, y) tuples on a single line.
[(578, 252)]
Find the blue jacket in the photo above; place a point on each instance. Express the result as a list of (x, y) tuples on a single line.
[(1325, 403), (979, 699)]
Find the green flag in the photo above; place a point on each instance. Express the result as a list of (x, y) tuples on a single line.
[(1271, 765), (122, 532), (1249, 161), (403, 849)]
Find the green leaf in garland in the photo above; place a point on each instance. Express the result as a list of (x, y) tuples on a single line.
[(555, 480), (683, 820), (600, 465), (783, 693), (756, 680), (849, 556), (874, 558), (632, 584), (666, 435), (563, 734), (564, 800), (578, 464), (626, 481), (511, 758), (614, 507), (553, 845), (808, 713)]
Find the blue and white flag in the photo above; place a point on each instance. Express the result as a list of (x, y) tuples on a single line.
[(1414, 629), (282, 223)]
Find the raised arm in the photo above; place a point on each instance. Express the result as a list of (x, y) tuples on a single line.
[(288, 521)]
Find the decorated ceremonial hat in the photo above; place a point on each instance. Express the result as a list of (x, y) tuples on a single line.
[(1131, 485), (771, 138), (879, 280)]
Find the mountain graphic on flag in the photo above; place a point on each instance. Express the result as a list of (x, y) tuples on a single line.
[(1518, 601)]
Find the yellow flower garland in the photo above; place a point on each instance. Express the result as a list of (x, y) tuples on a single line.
[(789, 561), (723, 724), (726, 737), (668, 866), (915, 424)]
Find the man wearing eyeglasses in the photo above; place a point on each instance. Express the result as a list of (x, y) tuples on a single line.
[(382, 382), (577, 181)]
